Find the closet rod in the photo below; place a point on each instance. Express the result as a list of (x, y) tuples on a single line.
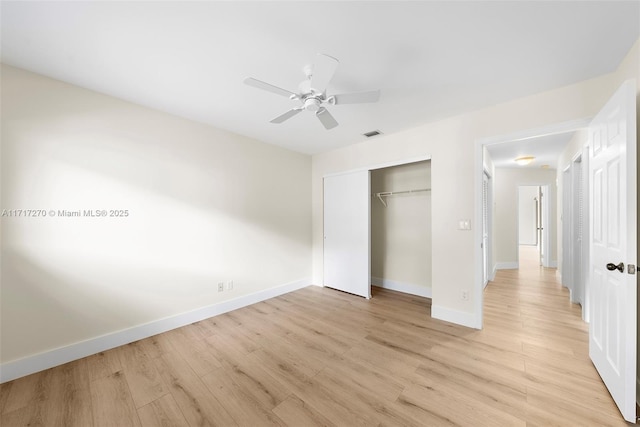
[(393, 193)]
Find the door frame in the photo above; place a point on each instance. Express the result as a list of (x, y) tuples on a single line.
[(488, 272), (566, 263), (552, 129), (542, 238)]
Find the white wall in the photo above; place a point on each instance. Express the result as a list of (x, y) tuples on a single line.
[(527, 219), (204, 206), (507, 183), (401, 232), (450, 143)]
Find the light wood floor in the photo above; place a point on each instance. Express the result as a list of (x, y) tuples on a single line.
[(321, 357)]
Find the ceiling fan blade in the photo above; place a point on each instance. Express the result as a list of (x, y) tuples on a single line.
[(281, 118), (356, 98), (323, 70), (326, 118), (268, 87)]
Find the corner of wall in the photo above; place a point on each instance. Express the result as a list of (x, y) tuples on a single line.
[(470, 320)]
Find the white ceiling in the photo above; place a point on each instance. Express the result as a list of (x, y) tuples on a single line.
[(430, 59)]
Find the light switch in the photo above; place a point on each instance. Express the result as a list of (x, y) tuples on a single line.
[(464, 224)]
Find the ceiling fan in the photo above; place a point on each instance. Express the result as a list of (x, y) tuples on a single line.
[(312, 92)]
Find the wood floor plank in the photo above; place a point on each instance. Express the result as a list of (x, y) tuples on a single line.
[(29, 415), (256, 382), (141, 375), (25, 390), (198, 405), (163, 412), (69, 399), (5, 389), (103, 364), (189, 343), (157, 345), (454, 406), (112, 403), (295, 412), (239, 401)]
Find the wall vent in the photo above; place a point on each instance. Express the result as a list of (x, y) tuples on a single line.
[(372, 133)]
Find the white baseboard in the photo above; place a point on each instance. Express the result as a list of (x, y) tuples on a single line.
[(48, 359), (407, 288), (507, 265), (462, 318), (552, 264)]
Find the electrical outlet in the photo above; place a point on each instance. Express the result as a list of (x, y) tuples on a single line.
[(220, 286), (230, 285), (465, 295)]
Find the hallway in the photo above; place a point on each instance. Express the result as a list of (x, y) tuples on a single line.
[(531, 308)]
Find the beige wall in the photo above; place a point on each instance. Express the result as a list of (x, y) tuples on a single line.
[(401, 231), (204, 206), (506, 184), (527, 217), (450, 143)]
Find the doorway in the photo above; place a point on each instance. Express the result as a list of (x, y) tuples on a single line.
[(401, 228), (531, 226), (348, 200)]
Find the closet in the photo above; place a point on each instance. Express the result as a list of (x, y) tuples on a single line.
[(401, 228)]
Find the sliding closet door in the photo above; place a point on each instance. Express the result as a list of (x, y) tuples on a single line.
[(347, 204)]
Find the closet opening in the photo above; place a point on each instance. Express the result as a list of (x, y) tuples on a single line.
[(401, 228)]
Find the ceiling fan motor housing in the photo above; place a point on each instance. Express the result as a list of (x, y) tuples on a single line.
[(312, 104)]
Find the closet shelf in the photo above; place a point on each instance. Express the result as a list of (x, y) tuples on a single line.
[(393, 193)]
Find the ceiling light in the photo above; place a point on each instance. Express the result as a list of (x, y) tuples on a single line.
[(525, 160)]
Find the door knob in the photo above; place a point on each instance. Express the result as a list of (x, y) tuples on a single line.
[(620, 267)]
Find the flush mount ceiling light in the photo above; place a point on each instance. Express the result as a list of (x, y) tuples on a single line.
[(524, 160)]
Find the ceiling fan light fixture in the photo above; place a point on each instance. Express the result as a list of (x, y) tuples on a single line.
[(524, 160), (311, 104)]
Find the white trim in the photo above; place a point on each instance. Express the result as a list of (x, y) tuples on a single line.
[(407, 288), (507, 265), (549, 130), (469, 320), (48, 359), (381, 165), (552, 264)]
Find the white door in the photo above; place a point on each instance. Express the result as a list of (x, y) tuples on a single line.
[(612, 173), (347, 203)]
